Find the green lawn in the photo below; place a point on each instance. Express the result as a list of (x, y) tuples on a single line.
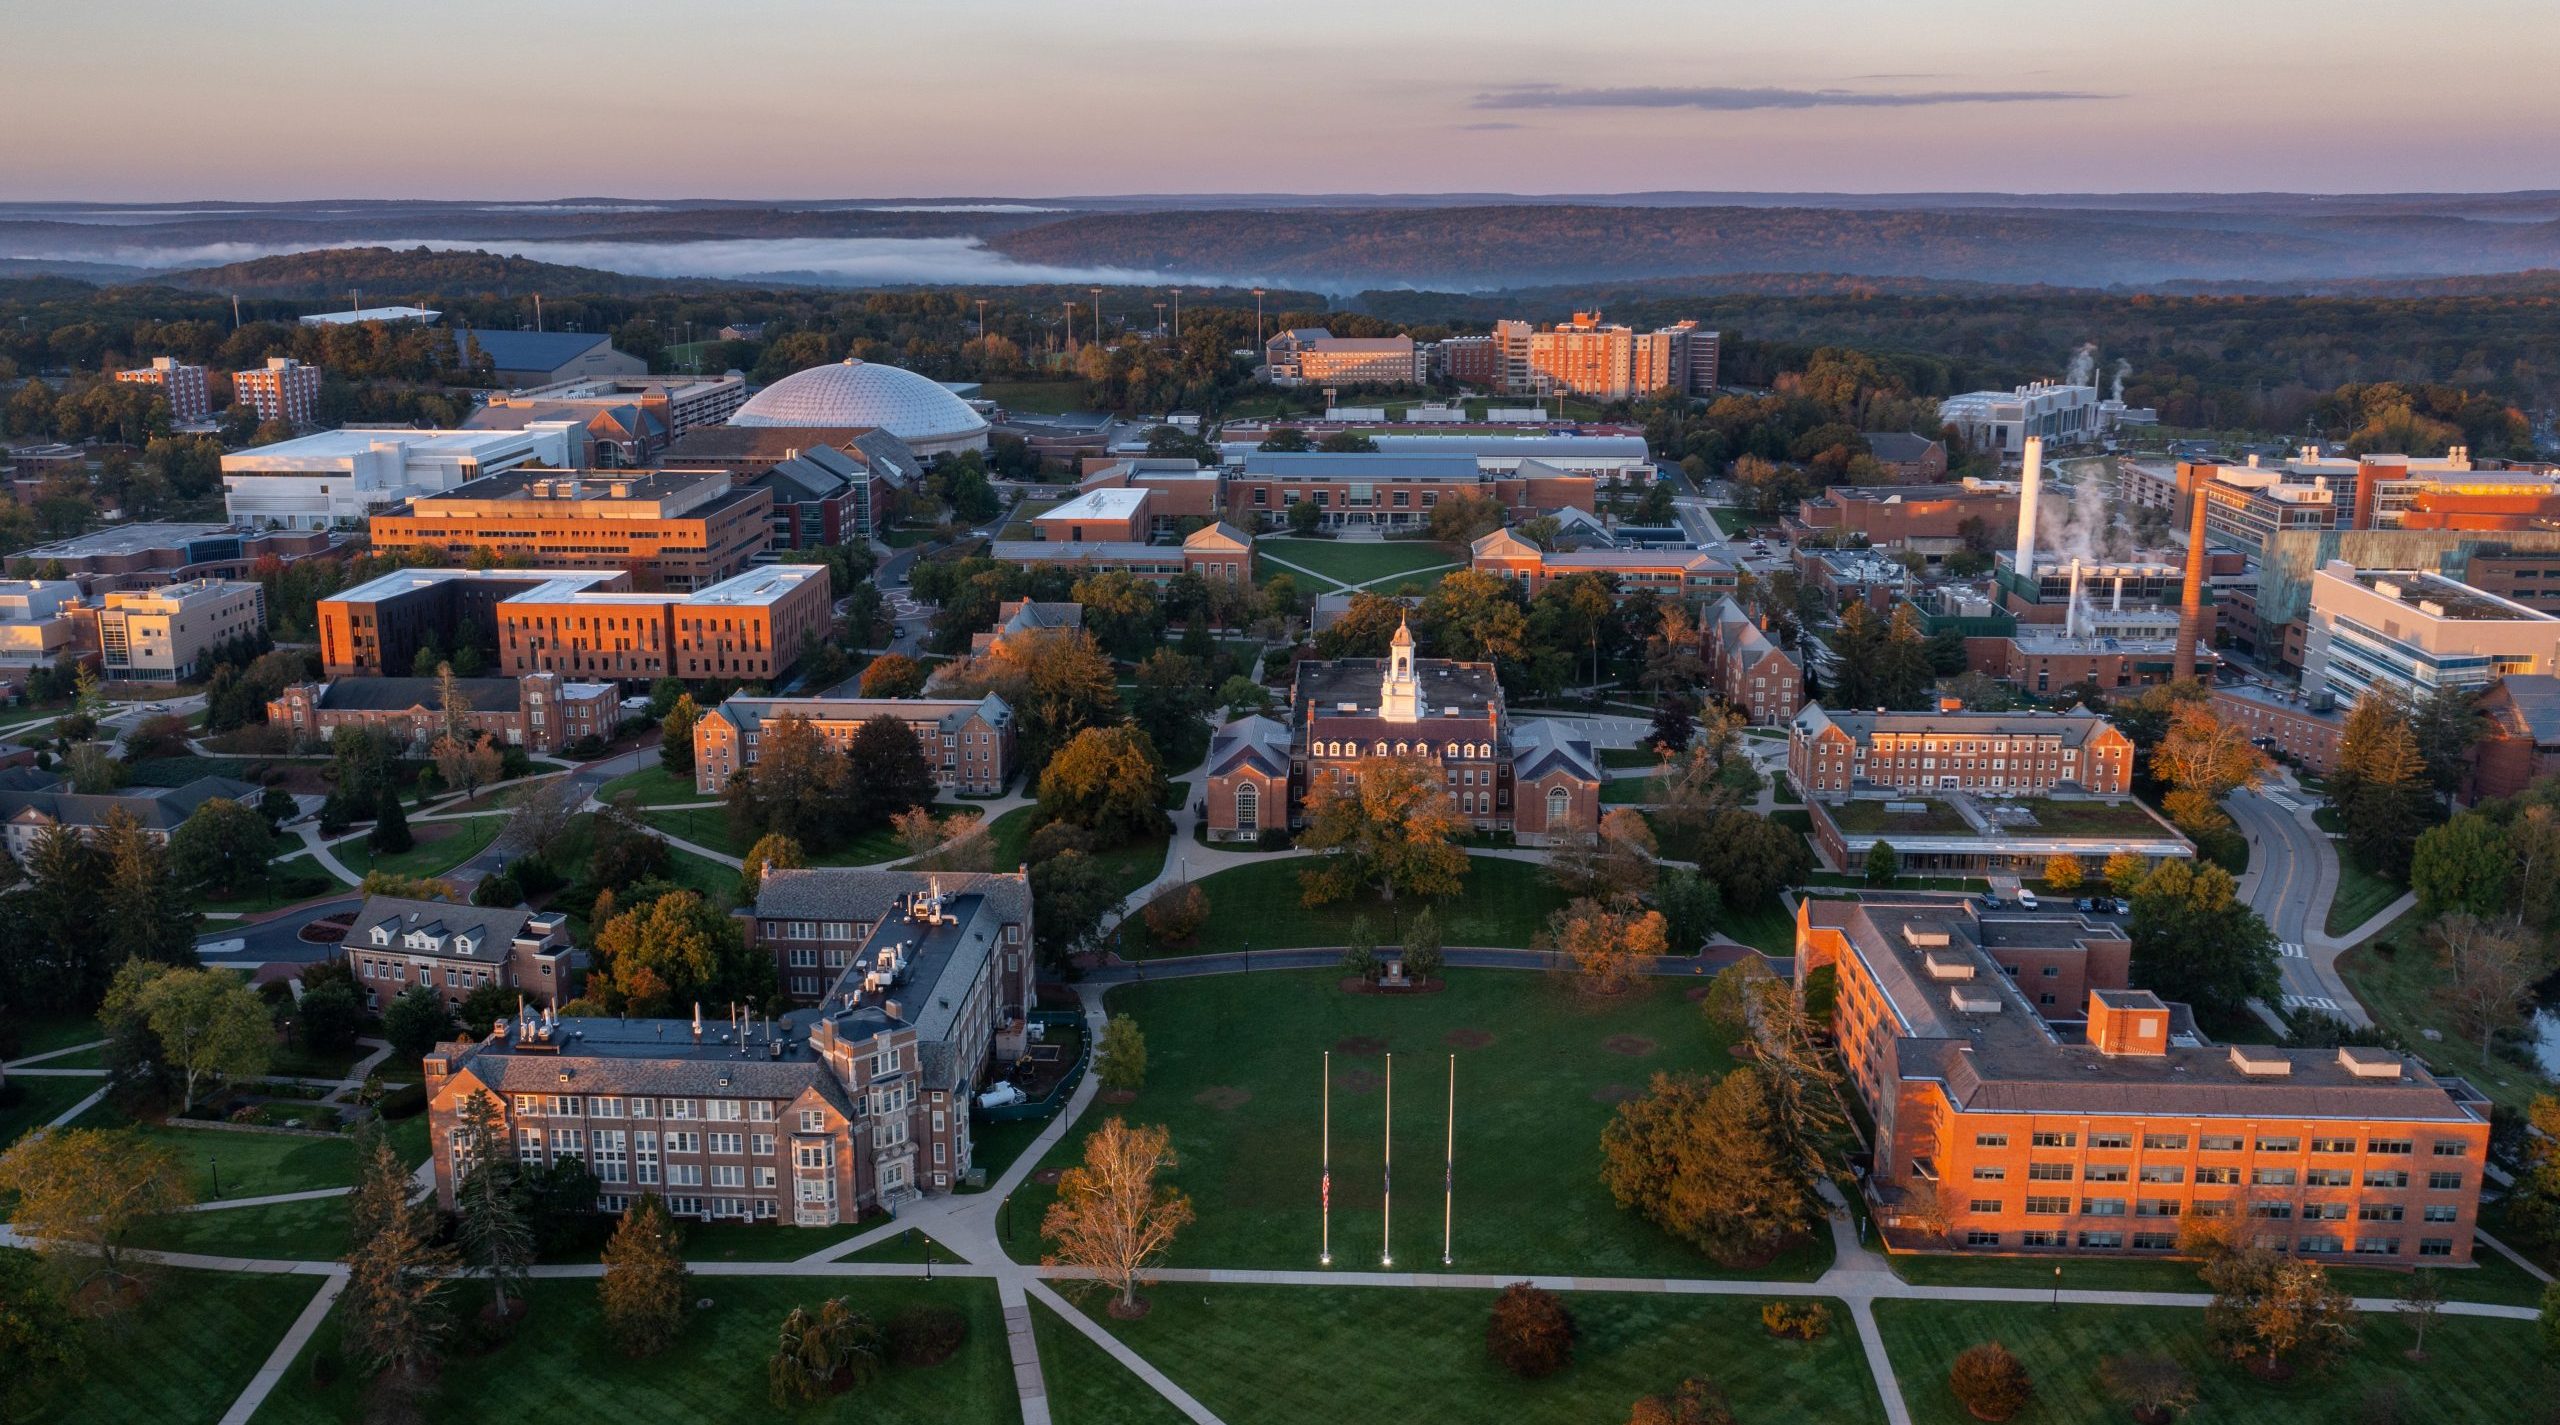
[(441, 846), (37, 1101), (1046, 398), (1865, 816), (1768, 928), (709, 827), (1258, 907), (285, 884), (2477, 1372), (1234, 1072), (2093, 818), (43, 1036), (1348, 562), (1631, 791), (1131, 866), (1086, 1386), (652, 785), (1729, 519), (186, 1352), (2399, 980), (1628, 757), (2494, 1279), (1284, 1355), (255, 1164), (311, 1231), (715, 1373), (2361, 895)]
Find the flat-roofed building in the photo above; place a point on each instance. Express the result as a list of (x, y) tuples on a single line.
[(859, 1104), (1691, 576), (163, 634), (2003, 754), (339, 478), (968, 742), (1605, 362), (398, 944), (540, 712), (1746, 668), (133, 556), (681, 404), (2026, 1097), (1391, 489), (2001, 421), (677, 530), (2302, 728), (1216, 551), (2408, 633), (1100, 515), (39, 622), (282, 390), (1177, 490), (1930, 518), (181, 385), (2246, 507), (535, 359)]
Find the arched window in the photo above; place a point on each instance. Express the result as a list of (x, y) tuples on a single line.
[(1401, 749), (1559, 806), (1248, 809), (1382, 749), (1453, 749)]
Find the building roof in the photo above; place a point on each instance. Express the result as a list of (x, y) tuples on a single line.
[(820, 472), (1517, 447), (489, 695), (1116, 503), (2073, 728), (756, 448), (1898, 447), (1360, 465), (1542, 745), (132, 539), (862, 393), (1085, 551), (1024, 615), (2433, 595), (480, 934), (1218, 534), (766, 585), (940, 931), (2531, 701), (529, 351), (549, 583), (1740, 635), (371, 314), (1255, 741), (658, 1057), (951, 714), (159, 809), (1349, 688)]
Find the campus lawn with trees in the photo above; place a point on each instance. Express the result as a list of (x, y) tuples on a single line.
[(203, 1334), (1234, 1071), (1356, 562), (1260, 905)]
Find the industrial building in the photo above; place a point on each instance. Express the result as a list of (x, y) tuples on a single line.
[(2407, 633), (2001, 421), (338, 479)]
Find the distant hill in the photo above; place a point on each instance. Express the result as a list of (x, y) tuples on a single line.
[(390, 274)]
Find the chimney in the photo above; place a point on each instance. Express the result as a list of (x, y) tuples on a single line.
[(2031, 484), (2071, 607), (2191, 597)]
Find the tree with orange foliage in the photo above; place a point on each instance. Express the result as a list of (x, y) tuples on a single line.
[(1112, 1218), (1389, 822), (1608, 942)]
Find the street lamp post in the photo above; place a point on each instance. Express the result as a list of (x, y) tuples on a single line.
[(2057, 1288)]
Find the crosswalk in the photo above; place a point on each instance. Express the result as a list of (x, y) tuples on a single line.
[(2322, 1003), (2290, 950)]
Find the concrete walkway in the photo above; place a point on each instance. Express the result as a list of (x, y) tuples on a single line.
[(271, 1199), (15, 1065), (280, 1360)]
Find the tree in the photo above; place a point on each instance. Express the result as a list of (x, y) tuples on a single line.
[(222, 848), (1751, 858), (797, 785), (467, 763), (2273, 1312), (2153, 1385), (1989, 1382), (1807, 1115), (1611, 861), (2204, 758), (1460, 519), (1120, 1062), (1422, 955), (2490, 968), (653, 959), (2445, 724), (331, 1017), (773, 851), (885, 772), (624, 852), (1476, 615), (1111, 1217), (893, 675), (1305, 518), (1177, 913), (93, 769), (81, 1191), (819, 1348), (416, 1021), (1388, 823), (143, 917), (39, 1339), (210, 1025), (1609, 946), (1530, 1334), (2464, 865), (1700, 1158), (1073, 890), (2194, 940), (1243, 697), (645, 1290), (541, 817), (491, 1230), (2421, 1299), (390, 835), (675, 733), (1172, 693), (1699, 1401), (2062, 871), (1883, 863), (1107, 781), (2125, 871), (396, 1271), (2533, 1204), (2381, 788)]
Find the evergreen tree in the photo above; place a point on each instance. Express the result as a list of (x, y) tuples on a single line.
[(2382, 789), (145, 919), (675, 750), (489, 1227), (645, 1287), (394, 1307), (390, 835)]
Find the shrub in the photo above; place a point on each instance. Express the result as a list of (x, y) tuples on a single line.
[(1796, 1321), (498, 890), (1699, 1401), (406, 1101), (1531, 1333), (926, 1335), (1989, 1382), (1175, 917)]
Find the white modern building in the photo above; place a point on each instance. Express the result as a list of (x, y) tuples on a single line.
[(338, 478), (2411, 632), (2002, 420), (869, 395)]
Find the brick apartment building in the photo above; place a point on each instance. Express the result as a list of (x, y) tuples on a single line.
[(282, 390), (2014, 754), (397, 944), (1747, 670), (1535, 779), (969, 742), (857, 1104), (1604, 362), (2026, 1098), (679, 530), (181, 385), (2286, 723), (1684, 575), (1930, 518), (581, 624), (540, 712)]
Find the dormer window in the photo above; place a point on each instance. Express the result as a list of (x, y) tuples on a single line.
[(381, 936)]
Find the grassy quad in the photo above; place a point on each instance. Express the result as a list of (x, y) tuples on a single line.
[(187, 1351), (33, 1102), (2492, 1278), (1088, 1387), (1257, 906), (1234, 1071), (1417, 1358), (441, 846), (2397, 977), (653, 785), (709, 827), (2477, 1372), (716, 1373), (1349, 562), (1131, 866)]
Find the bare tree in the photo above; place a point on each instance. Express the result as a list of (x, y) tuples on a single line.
[(543, 813), (1111, 1217), (2490, 967)]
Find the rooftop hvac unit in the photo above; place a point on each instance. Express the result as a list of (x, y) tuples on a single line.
[(1972, 1001), (2369, 1063), (2261, 1063)]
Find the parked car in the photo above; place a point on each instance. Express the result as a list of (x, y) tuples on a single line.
[(2026, 900), (2123, 906), (2085, 905)]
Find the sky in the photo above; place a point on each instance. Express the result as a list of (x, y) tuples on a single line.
[(809, 99)]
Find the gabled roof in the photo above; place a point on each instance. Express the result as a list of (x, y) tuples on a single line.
[(820, 472), (1541, 745), (479, 934), (1737, 633), (159, 809), (401, 694), (950, 714), (1898, 447), (1255, 741), (1503, 544), (1220, 535), (2531, 703)]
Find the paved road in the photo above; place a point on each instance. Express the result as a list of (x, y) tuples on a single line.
[(2293, 874)]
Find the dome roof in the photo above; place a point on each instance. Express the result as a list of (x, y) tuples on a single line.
[(862, 393)]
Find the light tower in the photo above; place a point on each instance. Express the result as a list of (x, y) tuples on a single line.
[(1159, 319), (982, 319), (1097, 313), (1257, 319)]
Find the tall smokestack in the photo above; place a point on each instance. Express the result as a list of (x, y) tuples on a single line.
[(2031, 485), (2191, 598), (2071, 610)]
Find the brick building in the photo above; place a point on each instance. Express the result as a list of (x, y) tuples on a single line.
[(164, 634), (1930, 518), (1016, 617), (1605, 362), (1215, 551), (1392, 489), (396, 944), (2027, 1098), (138, 556), (1909, 459), (2519, 735), (1684, 575), (181, 385), (969, 742), (668, 529), (2027, 754), (2287, 723), (540, 712), (857, 1104), (1534, 779), (1747, 670), (282, 390)]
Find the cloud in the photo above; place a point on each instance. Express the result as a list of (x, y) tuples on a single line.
[(1728, 99), (1494, 127)]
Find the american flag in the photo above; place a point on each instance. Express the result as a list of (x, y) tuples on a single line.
[(1327, 1189)]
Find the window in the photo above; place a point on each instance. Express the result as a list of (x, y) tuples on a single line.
[(2279, 1145), (729, 1143), (2110, 1140), (1981, 1239), (1986, 1206), (2282, 1211), (2106, 1173), (2329, 1177), (2164, 1175), (1991, 1140), (2104, 1240), (2272, 1177), (2155, 1241), (644, 1108), (2323, 1244), (2435, 1246), (2441, 1214), (2056, 1140), (2385, 1178), (2216, 1144), (2217, 1177), (2333, 1145), (2389, 1147), (2156, 1207), (813, 1120), (2048, 1207), (2049, 1172), (723, 1110), (2102, 1206), (2444, 1182), (2450, 1148), (2042, 1239), (1991, 1175), (2380, 1212)]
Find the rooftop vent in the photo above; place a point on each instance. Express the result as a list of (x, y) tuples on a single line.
[(2369, 1063), (1945, 966), (1971, 1001), (2260, 1063), (1926, 936)]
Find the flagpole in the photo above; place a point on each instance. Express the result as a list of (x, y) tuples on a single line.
[(1324, 1187), (1449, 1167), (1387, 1217)]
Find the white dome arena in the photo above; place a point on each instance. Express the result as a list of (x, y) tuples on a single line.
[(913, 408)]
